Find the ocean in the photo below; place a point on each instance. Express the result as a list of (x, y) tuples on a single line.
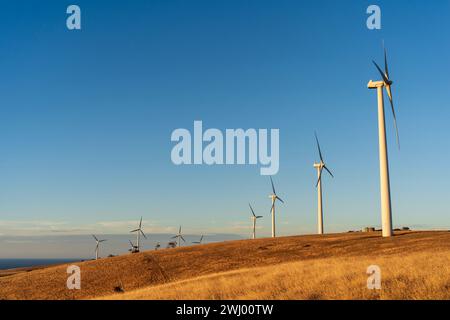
[(20, 263)]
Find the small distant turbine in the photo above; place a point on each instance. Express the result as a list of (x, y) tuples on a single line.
[(178, 237), (254, 218), (320, 166), (138, 233), (97, 246), (133, 247), (157, 246), (386, 209), (274, 198), (198, 242)]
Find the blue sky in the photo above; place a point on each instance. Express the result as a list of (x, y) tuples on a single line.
[(86, 116)]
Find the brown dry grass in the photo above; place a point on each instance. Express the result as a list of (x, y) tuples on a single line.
[(414, 266), (412, 276)]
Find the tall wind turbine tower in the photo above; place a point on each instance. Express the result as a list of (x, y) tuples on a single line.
[(138, 234), (386, 83), (97, 246), (274, 198), (254, 218), (320, 166)]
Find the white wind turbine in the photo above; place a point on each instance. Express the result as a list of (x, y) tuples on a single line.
[(274, 198), (198, 242), (138, 234), (254, 218), (320, 166), (386, 209), (97, 246), (178, 237)]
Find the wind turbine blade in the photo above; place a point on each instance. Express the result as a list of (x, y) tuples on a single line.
[(273, 187), (174, 237), (253, 212), (103, 240), (179, 230), (201, 238), (131, 243), (95, 238), (135, 230), (143, 233), (320, 177), (318, 147), (271, 208), (182, 238), (140, 223), (386, 80), (328, 171), (386, 69), (280, 199), (389, 92), (257, 217)]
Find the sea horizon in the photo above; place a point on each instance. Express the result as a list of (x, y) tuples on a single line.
[(12, 263)]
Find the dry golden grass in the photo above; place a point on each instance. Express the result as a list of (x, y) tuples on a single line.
[(303, 267), (413, 276)]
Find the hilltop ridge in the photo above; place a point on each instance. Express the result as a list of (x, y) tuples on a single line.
[(127, 273)]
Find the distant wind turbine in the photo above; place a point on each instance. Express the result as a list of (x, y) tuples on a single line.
[(138, 234), (320, 166), (254, 218), (274, 198), (97, 246), (386, 208), (178, 237), (133, 247), (157, 246), (198, 242)]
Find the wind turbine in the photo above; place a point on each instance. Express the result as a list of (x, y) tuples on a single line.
[(386, 209), (178, 237), (274, 198), (320, 166), (254, 218), (133, 247), (200, 241), (157, 246), (138, 234), (97, 246)]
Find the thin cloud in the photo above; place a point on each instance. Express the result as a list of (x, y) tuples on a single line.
[(31, 228)]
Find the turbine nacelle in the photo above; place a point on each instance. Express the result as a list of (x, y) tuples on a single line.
[(319, 165), (375, 84)]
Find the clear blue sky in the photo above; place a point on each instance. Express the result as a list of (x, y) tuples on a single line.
[(86, 116)]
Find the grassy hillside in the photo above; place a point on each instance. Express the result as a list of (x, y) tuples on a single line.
[(409, 276), (413, 264)]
